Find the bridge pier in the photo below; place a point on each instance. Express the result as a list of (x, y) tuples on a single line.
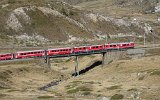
[(103, 58), (48, 62), (76, 67), (47, 59)]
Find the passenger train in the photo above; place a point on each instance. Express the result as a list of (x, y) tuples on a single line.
[(66, 51)]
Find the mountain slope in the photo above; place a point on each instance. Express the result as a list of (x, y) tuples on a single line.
[(32, 23)]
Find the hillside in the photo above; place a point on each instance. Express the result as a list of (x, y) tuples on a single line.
[(51, 22), (124, 79), (41, 24)]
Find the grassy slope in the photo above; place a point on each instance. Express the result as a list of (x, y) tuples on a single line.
[(51, 27), (135, 78), (55, 28)]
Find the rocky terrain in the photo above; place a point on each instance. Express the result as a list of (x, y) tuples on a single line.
[(42, 24)]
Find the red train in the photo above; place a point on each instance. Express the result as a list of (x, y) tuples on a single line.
[(66, 51), (6, 56), (29, 54)]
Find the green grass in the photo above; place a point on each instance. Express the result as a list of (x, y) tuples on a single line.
[(54, 92), (141, 78), (156, 72), (114, 87), (12, 90), (68, 60), (132, 89), (86, 93), (2, 95), (79, 89), (117, 97), (45, 97), (70, 86)]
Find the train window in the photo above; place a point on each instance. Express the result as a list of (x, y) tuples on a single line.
[(96, 46), (111, 45)]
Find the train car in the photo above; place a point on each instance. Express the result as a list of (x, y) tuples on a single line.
[(111, 46), (59, 51), (126, 45), (29, 54), (82, 49), (131, 45), (123, 45), (6, 56), (97, 48)]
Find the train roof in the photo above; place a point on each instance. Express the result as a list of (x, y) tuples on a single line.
[(60, 48), (121, 43), (5, 53), (86, 46), (29, 51)]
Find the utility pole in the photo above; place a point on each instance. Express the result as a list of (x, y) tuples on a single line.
[(76, 67)]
